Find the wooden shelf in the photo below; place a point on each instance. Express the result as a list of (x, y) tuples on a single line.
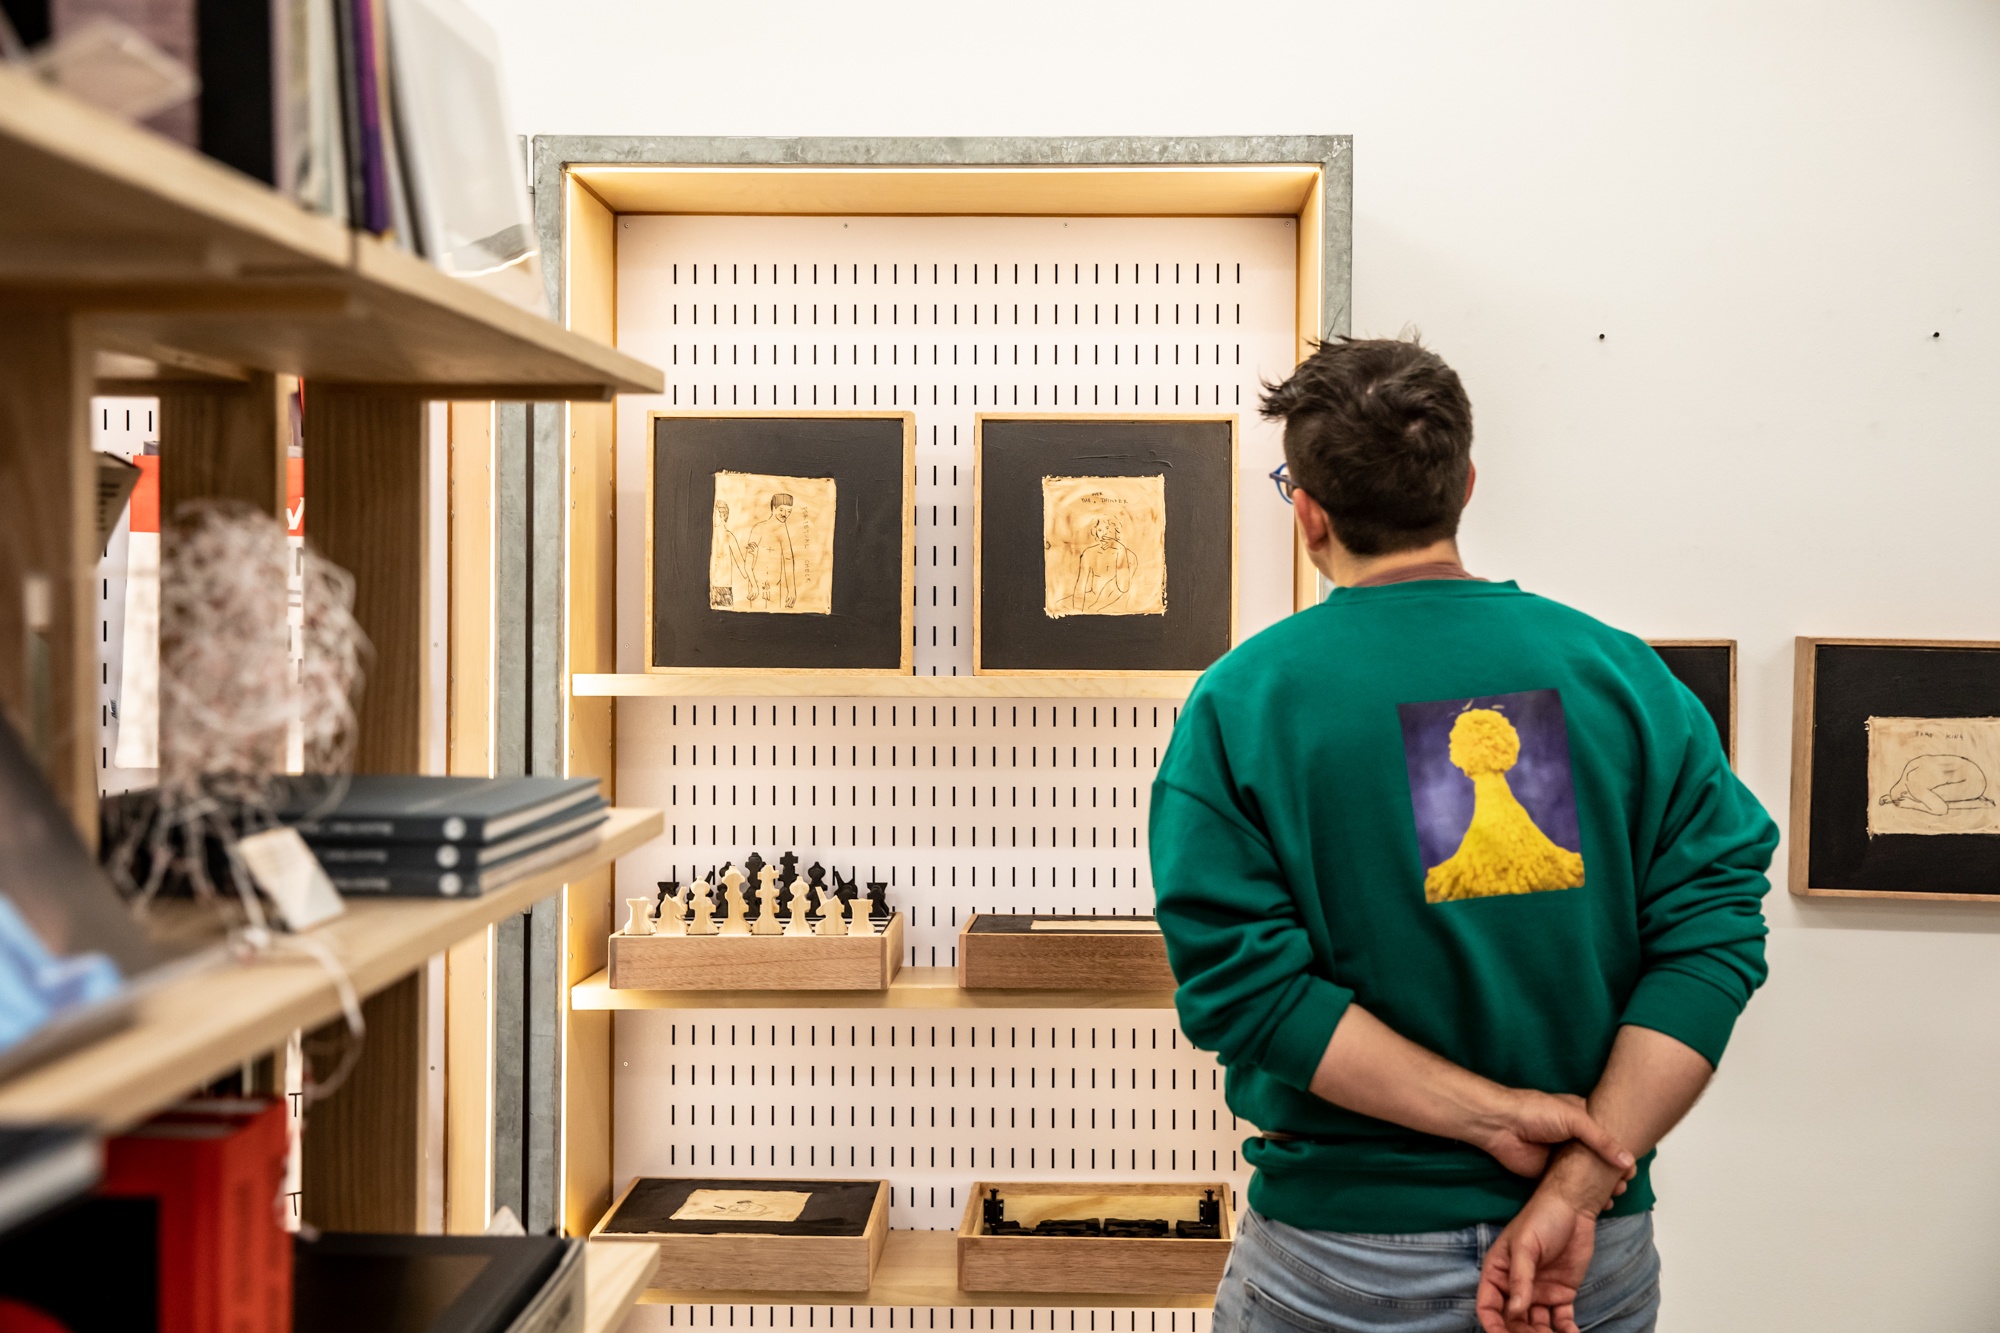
[(802, 684), (195, 1028), (613, 1276), (176, 254), (920, 1268), (913, 988)]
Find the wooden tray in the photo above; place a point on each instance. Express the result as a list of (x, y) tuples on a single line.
[(1000, 952), (1123, 1265), (746, 1261), (757, 962)]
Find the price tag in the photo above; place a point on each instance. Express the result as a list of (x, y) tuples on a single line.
[(285, 869)]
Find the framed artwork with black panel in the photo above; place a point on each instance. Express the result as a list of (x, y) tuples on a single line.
[(1708, 668), (780, 541), (1103, 545), (1896, 769)]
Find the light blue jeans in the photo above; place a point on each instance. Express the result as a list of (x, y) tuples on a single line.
[(1284, 1280)]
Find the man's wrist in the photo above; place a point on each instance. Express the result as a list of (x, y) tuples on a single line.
[(1580, 1178)]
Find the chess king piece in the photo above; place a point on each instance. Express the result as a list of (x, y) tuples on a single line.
[(789, 864), (832, 915), (767, 922), (704, 910), (753, 875), (641, 922), (670, 920), (736, 923), (797, 923)]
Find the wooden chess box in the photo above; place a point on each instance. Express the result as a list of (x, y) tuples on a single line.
[(1112, 1265), (757, 962), (833, 1246), (1113, 953)]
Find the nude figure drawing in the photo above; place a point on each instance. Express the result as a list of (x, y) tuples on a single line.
[(1930, 775), (1104, 546)]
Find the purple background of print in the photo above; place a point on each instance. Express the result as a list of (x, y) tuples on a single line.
[(1541, 780)]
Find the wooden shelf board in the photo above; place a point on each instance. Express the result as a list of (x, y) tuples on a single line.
[(169, 249), (913, 988), (192, 1029), (614, 1274), (803, 684), (920, 1268)]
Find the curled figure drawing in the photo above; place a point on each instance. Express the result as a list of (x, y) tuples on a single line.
[(1503, 850), (1938, 784)]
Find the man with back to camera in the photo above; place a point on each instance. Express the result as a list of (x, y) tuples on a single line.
[(1435, 859)]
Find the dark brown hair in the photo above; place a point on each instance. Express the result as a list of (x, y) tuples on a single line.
[(1379, 431)]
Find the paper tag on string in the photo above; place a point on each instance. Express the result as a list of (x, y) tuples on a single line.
[(285, 869)]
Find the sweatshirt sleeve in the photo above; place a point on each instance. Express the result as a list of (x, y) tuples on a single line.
[(1701, 919), (1241, 955)]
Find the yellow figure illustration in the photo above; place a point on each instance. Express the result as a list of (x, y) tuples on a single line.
[(1502, 851)]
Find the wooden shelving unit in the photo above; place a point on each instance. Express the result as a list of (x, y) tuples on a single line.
[(193, 1029), (614, 1274), (913, 988), (920, 1268), (812, 684)]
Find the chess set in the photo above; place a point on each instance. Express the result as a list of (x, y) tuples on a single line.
[(755, 1235), (792, 932), (1153, 1238), (998, 951)]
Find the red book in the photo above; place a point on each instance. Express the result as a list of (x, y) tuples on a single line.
[(216, 1168)]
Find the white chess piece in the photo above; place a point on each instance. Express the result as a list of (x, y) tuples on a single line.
[(704, 910), (641, 922), (738, 920), (669, 916), (797, 924), (832, 915), (768, 921)]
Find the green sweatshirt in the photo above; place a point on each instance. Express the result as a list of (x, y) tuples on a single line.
[(1500, 825)]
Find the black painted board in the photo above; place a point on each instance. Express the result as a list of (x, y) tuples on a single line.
[(1197, 459), (866, 458), (1709, 670), (1853, 683), (836, 1208)]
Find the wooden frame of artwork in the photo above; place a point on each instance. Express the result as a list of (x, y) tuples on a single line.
[(1700, 663), (1837, 684), (1203, 632), (848, 591)]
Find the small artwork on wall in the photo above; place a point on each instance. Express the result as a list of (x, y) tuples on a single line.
[(1103, 545), (1708, 668), (780, 541), (1896, 769)]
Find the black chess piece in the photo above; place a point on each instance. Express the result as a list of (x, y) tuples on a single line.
[(752, 864), (788, 868), (667, 886), (816, 876), (992, 1209), (878, 903), (847, 891)]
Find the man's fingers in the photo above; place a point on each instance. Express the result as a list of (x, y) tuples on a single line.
[(1595, 1137), (1520, 1284), (1491, 1304)]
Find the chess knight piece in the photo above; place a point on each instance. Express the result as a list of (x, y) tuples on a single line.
[(878, 902), (832, 915), (670, 914)]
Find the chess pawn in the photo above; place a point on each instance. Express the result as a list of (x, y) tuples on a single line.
[(641, 922), (797, 924), (670, 916), (736, 923), (767, 922), (704, 910), (832, 915)]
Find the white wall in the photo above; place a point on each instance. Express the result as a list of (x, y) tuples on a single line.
[(1767, 210)]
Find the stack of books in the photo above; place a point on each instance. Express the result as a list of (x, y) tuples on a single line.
[(423, 837)]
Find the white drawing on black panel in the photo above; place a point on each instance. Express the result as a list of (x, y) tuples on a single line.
[(1938, 784)]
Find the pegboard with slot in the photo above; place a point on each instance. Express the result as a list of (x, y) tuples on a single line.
[(1007, 805), (927, 1102)]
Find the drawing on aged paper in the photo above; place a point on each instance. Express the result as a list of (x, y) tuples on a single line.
[(1930, 775), (1104, 546), (771, 544), (742, 1206)]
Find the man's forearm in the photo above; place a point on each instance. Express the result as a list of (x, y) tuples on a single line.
[(1650, 1082)]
